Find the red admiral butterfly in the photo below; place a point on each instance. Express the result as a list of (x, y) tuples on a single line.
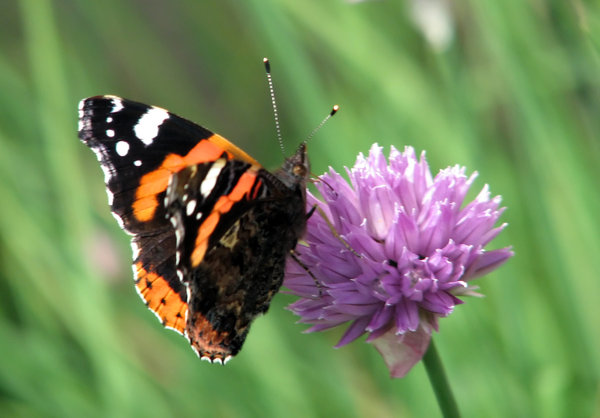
[(211, 228)]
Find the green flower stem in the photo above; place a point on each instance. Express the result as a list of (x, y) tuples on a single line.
[(438, 380)]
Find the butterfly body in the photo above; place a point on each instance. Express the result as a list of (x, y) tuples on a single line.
[(211, 228)]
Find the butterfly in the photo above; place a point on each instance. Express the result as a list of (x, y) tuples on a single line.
[(210, 228)]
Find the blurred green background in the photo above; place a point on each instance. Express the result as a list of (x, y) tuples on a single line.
[(508, 88)]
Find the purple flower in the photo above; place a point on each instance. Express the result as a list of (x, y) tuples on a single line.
[(405, 250)]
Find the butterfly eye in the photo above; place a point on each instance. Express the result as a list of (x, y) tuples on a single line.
[(299, 170)]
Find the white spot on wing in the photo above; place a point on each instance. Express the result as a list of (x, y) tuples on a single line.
[(137, 163), (146, 128), (110, 133), (118, 218), (82, 122), (122, 148), (107, 170), (175, 222), (136, 250), (190, 207), (111, 197), (136, 277), (109, 119), (178, 235), (168, 193), (117, 104), (211, 177)]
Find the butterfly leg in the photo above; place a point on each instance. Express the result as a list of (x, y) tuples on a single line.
[(310, 212), (332, 228), (295, 257)]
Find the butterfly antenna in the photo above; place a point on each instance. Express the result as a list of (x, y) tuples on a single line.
[(274, 104), (314, 131)]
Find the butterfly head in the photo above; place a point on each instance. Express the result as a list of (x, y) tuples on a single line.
[(295, 169)]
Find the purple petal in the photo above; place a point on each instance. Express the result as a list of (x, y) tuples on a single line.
[(441, 303), (491, 234), (379, 210), (381, 318), (489, 261), (354, 331), (409, 232), (407, 316), (435, 230)]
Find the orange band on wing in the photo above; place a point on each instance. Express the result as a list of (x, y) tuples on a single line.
[(161, 298), (238, 153), (155, 182), (204, 232), (223, 205)]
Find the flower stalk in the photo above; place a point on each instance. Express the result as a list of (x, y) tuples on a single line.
[(439, 382)]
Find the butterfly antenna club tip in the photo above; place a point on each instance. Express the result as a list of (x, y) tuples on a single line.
[(314, 131), (274, 103)]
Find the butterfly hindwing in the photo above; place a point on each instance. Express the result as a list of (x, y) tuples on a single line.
[(156, 278), (232, 244)]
